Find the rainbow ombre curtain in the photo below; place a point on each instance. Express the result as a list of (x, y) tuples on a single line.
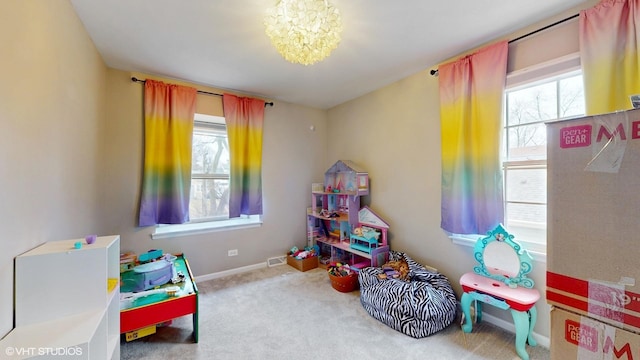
[(168, 130), (609, 55), (244, 118), (471, 93)]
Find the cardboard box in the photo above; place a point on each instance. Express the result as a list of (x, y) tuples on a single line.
[(303, 264), (581, 337), (593, 225)]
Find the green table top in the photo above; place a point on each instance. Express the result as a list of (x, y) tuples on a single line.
[(187, 287)]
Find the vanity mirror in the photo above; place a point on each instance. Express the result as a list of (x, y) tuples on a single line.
[(501, 258)]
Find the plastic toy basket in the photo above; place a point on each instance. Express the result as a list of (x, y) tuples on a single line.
[(344, 283)]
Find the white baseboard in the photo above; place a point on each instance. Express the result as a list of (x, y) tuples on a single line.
[(506, 325), (239, 270)]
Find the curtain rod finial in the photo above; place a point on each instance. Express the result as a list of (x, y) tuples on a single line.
[(433, 72)]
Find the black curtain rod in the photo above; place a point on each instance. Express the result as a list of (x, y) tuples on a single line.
[(135, 79), (434, 72)]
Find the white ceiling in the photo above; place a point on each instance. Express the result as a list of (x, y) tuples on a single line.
[(222, 44)]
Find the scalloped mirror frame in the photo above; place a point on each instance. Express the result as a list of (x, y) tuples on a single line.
[(500, 234)]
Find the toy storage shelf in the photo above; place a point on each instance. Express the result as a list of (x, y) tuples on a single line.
[(356, 256), (72, 293), (343, 245), (335, 212), (341, 216)]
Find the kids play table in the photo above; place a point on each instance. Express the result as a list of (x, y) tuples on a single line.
[(140, 317)]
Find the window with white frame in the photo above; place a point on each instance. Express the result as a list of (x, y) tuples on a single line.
[(528, 106), (210, 172), (542, 93), (210, 167)]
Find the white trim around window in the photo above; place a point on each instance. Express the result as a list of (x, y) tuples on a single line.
[(197, 228), (544, 70)]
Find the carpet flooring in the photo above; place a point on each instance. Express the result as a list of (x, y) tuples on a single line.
[(284, 314)]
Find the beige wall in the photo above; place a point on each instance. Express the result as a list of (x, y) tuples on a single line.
[(52, 102)]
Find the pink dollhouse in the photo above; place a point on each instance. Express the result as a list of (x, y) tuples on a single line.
[(335, 214)]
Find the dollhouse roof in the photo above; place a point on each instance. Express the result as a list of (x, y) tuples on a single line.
[(343, 166), (366, 216)]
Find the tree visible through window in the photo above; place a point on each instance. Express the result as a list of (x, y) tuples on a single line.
[(210, 170), (527, 108)]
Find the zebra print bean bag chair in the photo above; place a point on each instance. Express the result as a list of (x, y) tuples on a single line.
[(419, 307)]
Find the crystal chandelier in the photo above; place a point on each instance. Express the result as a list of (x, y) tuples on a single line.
[(304, 31)]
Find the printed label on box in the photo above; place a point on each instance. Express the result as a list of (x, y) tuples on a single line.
[(584, 338), (581, 335), (575, 136), (140, 333)]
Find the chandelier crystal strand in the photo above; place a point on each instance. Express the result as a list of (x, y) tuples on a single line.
[(304, 31)]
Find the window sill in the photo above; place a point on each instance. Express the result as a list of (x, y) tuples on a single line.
[(171, 231), (470, 241)]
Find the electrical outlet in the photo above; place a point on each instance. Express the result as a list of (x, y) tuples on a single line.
[(233, 252)]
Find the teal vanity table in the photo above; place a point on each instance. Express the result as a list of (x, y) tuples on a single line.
[(500, 280)]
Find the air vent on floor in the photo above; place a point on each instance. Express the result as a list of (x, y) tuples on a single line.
[(276, 260)]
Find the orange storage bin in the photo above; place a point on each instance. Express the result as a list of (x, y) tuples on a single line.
[(345, 283)]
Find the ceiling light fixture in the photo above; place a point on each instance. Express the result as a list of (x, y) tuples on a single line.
[(304, 31)]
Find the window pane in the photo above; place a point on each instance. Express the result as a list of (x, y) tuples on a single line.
[(210, 152), (209, 199), (527, 185), (527, 214), (571, 97), (532, 104), (526, 110), (528, 142)]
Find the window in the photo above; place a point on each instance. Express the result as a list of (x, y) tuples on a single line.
[(209, 198), (535, 95), (210, 169), (527, 107)]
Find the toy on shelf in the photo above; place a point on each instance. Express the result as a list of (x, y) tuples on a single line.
[(370, 233), (317, 187)]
